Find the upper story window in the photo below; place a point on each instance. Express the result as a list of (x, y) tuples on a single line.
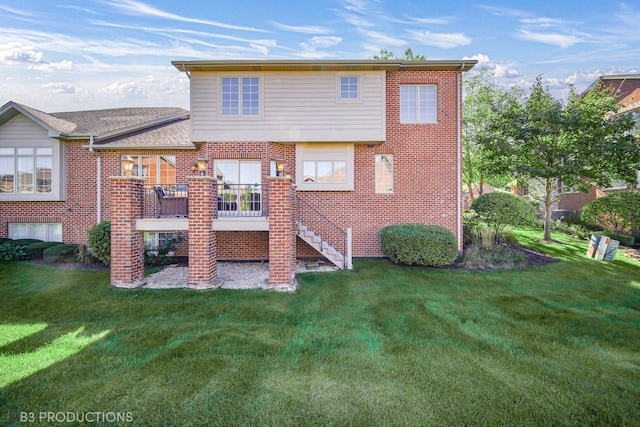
[(418, 104), (240, 96), (26, 170), (348, 87)]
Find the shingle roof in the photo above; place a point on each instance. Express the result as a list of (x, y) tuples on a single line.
[(174, 134), (59, 124), (100, 122)]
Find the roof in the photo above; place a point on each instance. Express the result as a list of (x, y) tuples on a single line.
[(322, 65), (622, 85), (152, 127)]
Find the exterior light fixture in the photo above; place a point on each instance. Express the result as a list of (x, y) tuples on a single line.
[(194, 167), (280, 167), (202, 166), (127, 165)]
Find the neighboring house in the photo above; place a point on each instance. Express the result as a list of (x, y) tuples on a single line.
[(280, 159), (626, 89)]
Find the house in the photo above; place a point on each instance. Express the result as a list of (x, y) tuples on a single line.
[(276, 160), (626, 89)]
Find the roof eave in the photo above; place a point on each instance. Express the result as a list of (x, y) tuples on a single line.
[(104, 147)]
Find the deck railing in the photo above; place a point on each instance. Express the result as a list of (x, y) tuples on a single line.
[(168, 201)]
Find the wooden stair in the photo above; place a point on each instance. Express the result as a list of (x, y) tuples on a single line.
[(320, 245)]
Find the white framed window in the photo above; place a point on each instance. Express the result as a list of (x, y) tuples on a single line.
[(156, 170), (48, 232), (418, 104), (324, 166), (384, 173), (240, 96), (26, 170), (349, 88), (239, 187), (154, 240)]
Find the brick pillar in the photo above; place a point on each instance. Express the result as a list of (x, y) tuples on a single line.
[(282, 234), (203, 247), (127, 244)]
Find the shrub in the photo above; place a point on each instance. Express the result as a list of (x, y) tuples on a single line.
[(477, 257), (504, 210), (36, 250), (4, 240), (11, 252), (624, 238), (616, 212), (419, 244), (65, 252), (100, 241), (84, 256), (24, 242), (160, 255)]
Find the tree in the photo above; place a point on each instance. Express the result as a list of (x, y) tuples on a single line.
[(386, 55), (482, 100), (500, 210), (580, 145)]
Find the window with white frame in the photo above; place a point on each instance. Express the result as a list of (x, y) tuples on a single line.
[(324, 166), (155, 240), (26, 170), (239, 187), (156, 170), (240, 96), (48, 232), (384, 173), (418, 104), (349, 87)]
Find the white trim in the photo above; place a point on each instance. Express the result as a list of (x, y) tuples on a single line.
[(240, 116), (260, 223), (417, 100), (162, 224), (325, 152), (339, 99)]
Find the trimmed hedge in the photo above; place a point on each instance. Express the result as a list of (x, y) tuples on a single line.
[(419, 244), (4, 240), (24, 242), (616, 212), (65, 252), (36, 250)]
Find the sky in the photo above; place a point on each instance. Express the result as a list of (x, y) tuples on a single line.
[(70, 55)]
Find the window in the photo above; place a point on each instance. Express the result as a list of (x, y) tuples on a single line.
[(384, 173), (240, 96), (26, 170), (239, 187), (49, 232), (324, 166), (348, 87), (155, 240), (156, 170), (418, 104), (324, 171)]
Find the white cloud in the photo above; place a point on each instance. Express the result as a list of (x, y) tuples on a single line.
[(323, 41), (52, 67), (17, 11), (63, 88), (383, 39), (561, 40), (18, 52), (500, 70), (441, 40), (142, 9), (122, 90), (311, 29), (359, 6)]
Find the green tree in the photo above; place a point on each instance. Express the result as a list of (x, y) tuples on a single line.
[(483, 99), (386, 55), (581, 145)]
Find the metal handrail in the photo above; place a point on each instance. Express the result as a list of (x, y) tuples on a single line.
[(241, 200)]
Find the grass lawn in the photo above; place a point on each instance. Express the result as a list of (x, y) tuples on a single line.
[(378, 345)]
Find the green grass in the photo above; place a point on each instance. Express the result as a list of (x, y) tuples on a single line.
[(378, 345)]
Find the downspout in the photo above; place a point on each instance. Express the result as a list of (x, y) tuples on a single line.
[(98, 180), (459, 154)]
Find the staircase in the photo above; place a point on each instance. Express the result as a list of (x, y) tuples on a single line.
[(320, 245)]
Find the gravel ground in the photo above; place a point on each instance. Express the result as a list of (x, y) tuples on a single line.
[(231, 275)]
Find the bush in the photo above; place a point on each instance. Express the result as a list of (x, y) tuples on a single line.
[(419, 244), (160, 255), (36, 250), (4, 240), (11, 252), (84, 256), (616, 212), (503, 210), (624, 238), (477, 257), (100, 241), (65, 252), (24, 242)]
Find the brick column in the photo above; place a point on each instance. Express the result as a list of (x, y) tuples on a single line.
[(282, 233), (203, 247), (127, 244)]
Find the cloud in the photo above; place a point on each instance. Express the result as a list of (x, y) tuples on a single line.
[(17, 52), (383, 39), (359, 6), (64, 88), (441, 40), (323, 41), (123, 90), (78, 8), (561, 40), (500, 70), (503, 11), (137, 8), (52, 67), (312, 29), (18, 11)]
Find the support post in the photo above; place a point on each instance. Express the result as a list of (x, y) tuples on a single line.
[(127, 244), (282, 234), (203, 267)]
